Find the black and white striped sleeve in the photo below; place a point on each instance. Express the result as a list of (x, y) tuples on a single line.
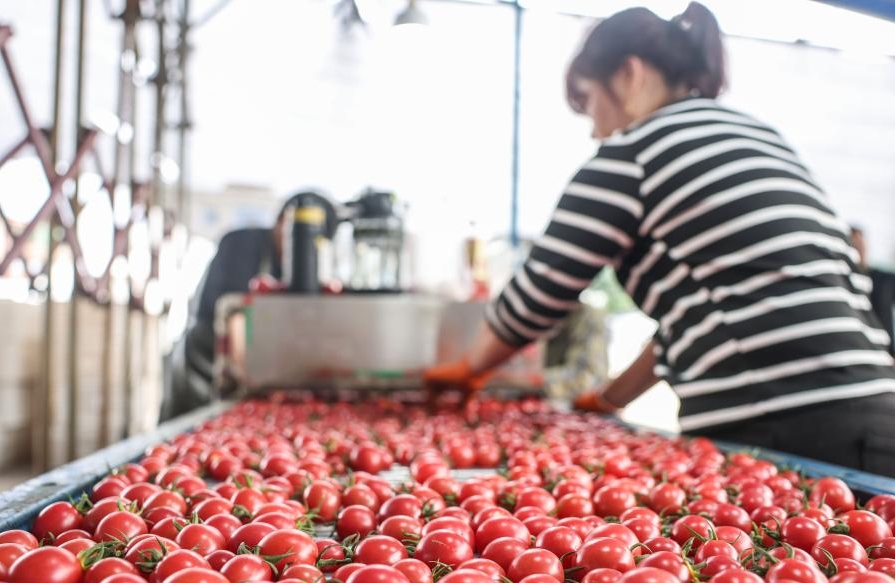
[(594, 224)]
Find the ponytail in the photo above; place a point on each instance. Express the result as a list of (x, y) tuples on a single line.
[(700, 26), (687, 50)]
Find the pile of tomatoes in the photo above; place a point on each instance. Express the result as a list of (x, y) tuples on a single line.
[(388, 492)]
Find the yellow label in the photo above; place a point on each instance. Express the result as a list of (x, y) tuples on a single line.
[(313, 215)]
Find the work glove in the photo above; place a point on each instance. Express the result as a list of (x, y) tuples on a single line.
[(456, 376), (594, 402), (264, 283)]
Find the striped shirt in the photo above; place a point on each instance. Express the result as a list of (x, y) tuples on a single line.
[(719, 233)]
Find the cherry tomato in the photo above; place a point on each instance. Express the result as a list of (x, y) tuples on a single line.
[(197, 575), (19, 537), (535, 561), (47, 565), (244, 568), (107, 567), (443, 546), (56, 519), (608, 553), (834, 493), (177, 561), (648, 575), (379, 550)]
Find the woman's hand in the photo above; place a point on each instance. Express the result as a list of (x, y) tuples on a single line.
[(594, 402), (456, 375)]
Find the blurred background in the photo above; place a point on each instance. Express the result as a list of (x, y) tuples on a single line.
[(136, 133)]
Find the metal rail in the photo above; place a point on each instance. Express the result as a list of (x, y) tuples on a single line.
[(20, 505)]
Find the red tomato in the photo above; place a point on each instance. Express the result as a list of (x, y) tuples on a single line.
[(735, 576), (249, 535), (535, 561), (403, 505), (486, 566), (801, 532), (500, 527), (329, 554), (19, 537), (886, 566), (120, 525), (362, 495), (124, 578), (838, 546), (669, 562), (304, 573), (718, 564), (865, 527), (197, 575), (415, 570), (608, 553), (834, 493), (56, 519), (868, 577), (202, 538), (613, 500), (794, 570), (648, 575), (177, 561), (324, 500), (443, 546), (466, 576), (601, 576), (355, 520), (106, 568), (218, 559), (244, 568), (377, 574), (503, 550), (691, 527), (146, 548), (562, 541), (292, 546), (379, 550), (47, 565), (9, 552), (667, 498)]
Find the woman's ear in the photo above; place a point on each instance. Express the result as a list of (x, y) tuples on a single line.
[(628, 82)]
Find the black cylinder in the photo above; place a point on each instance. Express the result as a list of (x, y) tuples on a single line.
[(300, 247)]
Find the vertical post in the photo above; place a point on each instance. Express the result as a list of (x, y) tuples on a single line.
[(161, 83), (74, 382), (45, 402), (185, 121), (122, 178), (514, 179)]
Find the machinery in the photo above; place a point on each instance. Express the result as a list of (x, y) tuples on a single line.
[(372, 332)]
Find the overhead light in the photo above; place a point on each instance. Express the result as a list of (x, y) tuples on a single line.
[(411, 15)]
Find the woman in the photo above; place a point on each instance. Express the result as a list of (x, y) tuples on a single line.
[(720, 234)]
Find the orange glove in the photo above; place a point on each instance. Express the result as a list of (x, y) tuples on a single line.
[(594, 402), (456, 375)]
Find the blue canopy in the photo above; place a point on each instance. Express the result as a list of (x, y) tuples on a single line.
[(879, 8)]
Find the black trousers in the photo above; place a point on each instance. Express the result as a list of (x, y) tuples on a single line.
[(855, 433)]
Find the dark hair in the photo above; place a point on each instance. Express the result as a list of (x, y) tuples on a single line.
[(687, 50)]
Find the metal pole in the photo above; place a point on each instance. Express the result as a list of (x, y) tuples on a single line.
[(46, 408), (185, 121), (514, 178), (161, 82), (74, 382), (122, 175)]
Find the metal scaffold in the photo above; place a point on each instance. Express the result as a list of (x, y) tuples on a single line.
[(146, 186)]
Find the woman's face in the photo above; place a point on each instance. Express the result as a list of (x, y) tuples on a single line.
[(603, 108)]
